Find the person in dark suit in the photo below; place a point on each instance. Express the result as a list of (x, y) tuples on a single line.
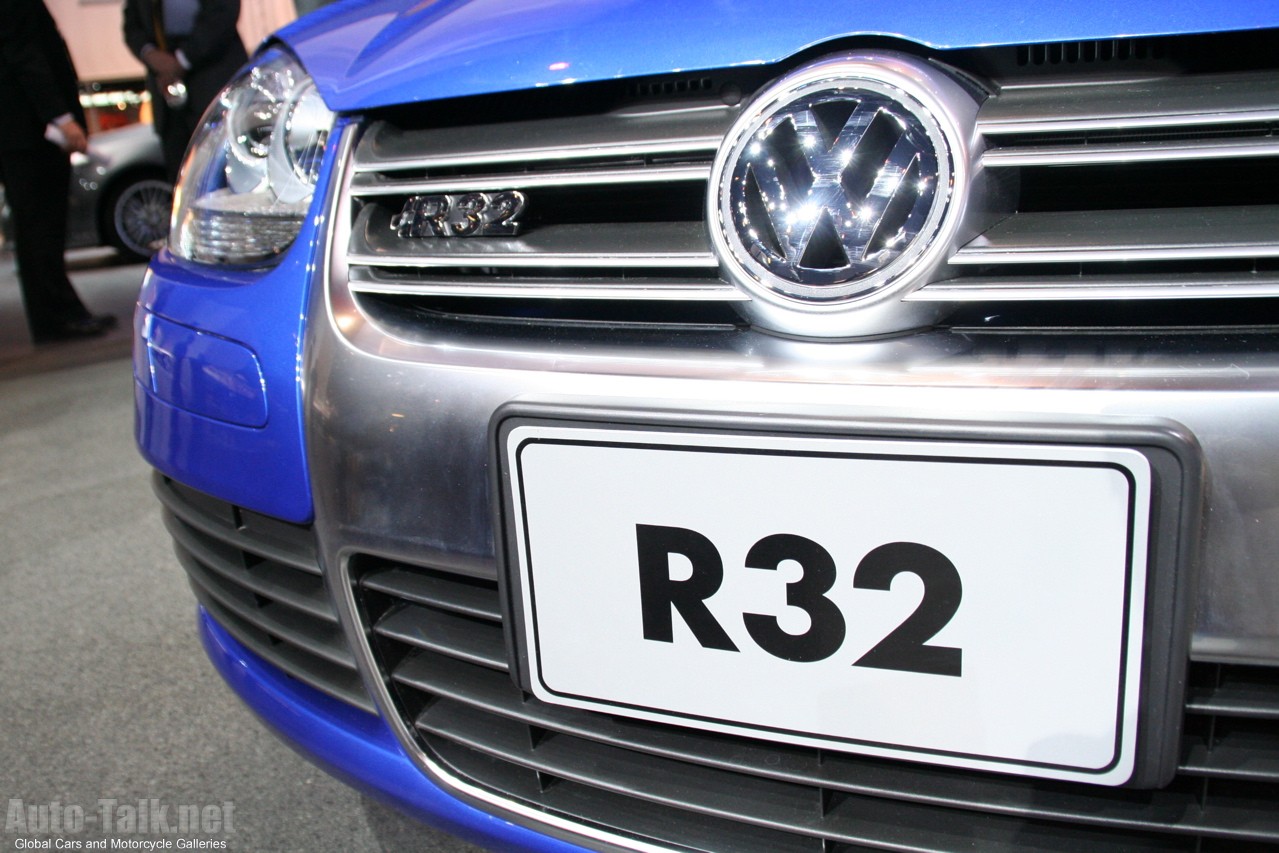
[(191, 48), (41, 124)]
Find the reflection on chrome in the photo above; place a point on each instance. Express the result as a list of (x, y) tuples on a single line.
[(839, 152)]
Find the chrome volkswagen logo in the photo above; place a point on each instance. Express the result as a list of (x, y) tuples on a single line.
[(837, 185), (832, 187)]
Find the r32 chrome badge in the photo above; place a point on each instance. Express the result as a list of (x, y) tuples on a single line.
[(465, 215)]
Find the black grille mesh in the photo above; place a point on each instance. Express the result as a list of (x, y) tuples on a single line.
[(1107, 50), (260, 579), (438, 637)]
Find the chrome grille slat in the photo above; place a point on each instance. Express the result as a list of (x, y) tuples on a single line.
[(1133, 152), (1127, 104), (1127, 235), (647, 245), (649, 287), (475, 717), (1078, 287), (693, 127), (530, 180), (1155, 119), (646, 151), (1184, 124)]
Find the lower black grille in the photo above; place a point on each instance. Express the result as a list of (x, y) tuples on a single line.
[(260, 579), (439, 638)]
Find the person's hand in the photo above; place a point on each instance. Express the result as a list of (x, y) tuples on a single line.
[(164, 81), (74, 137), (165, 65)]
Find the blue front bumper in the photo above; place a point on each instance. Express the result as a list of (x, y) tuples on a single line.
[(356, 747)]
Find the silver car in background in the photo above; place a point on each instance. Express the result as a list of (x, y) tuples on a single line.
[(118, 196)]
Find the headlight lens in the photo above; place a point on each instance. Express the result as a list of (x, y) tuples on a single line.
[(252, 166)]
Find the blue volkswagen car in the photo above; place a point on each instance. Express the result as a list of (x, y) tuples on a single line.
[(738, 427)]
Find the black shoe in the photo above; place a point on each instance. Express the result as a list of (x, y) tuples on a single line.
[(73, 330)]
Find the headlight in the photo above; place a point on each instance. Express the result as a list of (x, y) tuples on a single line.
[(252, 165)]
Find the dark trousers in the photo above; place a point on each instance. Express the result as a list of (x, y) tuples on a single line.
[(36, 181), (179, 125)]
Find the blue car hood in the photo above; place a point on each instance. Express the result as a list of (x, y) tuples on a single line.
[(370, 53)]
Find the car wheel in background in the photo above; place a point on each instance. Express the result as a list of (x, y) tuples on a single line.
[(135, 217)]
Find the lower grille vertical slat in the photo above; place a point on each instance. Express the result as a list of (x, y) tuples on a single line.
[(1238, 692), (474, 719), (271, 580), (321, 639), (339, 682), (1243, 753), (585, 804), (260, 579), (708, 791)]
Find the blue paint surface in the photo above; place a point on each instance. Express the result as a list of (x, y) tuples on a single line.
[(372, 53), (356, 747), (201, 373)]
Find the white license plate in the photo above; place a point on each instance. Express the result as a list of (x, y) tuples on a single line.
[(968, 604)]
